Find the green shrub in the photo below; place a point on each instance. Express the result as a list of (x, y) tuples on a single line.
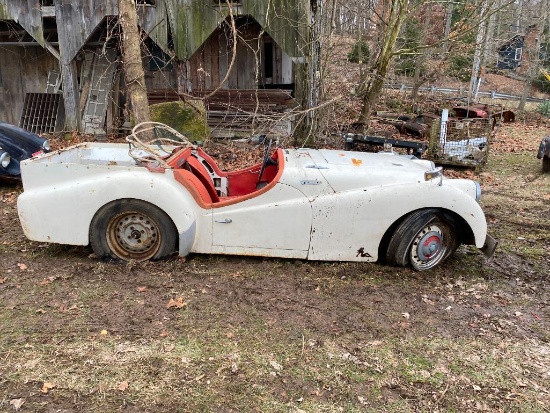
[(407, 66), (544, 108), (359, 53), (541, 83), (461, 67)]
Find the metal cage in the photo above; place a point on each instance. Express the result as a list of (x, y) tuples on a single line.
[(462, 142)]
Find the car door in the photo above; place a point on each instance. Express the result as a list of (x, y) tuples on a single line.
[(276, 223)]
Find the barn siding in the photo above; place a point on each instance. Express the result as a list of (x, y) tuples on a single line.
[(154, 22), (75, 24), (25, 12), (193, 22), (210, 62), (202, 46), (22, 71)]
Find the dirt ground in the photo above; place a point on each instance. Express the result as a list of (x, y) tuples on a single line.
[(232, 334)]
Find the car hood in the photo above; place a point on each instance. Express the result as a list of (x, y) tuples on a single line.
[(344, 170)]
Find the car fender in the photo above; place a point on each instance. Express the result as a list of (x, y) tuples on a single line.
[(353, 228), (62, 212)]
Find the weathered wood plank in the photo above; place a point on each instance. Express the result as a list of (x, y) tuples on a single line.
[(27, 14), (22, 71), (75, 24)]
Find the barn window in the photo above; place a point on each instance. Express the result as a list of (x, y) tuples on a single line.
[(518, 53), (146, 2), (227, 1), (46, 3)]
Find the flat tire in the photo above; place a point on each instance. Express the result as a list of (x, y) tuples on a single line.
[(132, 230)]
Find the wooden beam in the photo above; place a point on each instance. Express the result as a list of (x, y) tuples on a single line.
[(71, 97), (52, 50)]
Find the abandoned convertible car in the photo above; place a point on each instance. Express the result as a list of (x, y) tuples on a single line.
[(147, 200), (17, 144)]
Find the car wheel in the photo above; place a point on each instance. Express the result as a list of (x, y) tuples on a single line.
[(423, 239), (546, 164), (130, 229)]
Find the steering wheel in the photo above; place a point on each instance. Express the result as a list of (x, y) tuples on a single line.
[(267, 161)]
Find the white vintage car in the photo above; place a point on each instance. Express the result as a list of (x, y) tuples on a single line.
[(159, 194)]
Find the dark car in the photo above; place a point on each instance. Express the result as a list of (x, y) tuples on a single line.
[(544, 154), (16, 145)]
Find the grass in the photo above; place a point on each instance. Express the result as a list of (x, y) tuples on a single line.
[(254, 373)]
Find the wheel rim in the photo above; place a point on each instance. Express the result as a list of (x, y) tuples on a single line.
[(134, 236), (428, 248)]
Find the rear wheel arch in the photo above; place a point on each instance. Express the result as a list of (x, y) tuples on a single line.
[(118, 228)]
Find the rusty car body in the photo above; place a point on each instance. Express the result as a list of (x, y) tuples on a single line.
[(151, 198)]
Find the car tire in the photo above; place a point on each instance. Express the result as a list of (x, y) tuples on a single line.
[(546, 164), (132, 230), (424, 239)]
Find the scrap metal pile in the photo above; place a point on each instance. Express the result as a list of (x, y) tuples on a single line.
[(460, 136)]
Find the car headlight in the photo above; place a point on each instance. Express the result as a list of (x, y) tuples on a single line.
[(478, 191), (46, 146), (5, 159)]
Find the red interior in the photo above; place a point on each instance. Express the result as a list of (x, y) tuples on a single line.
[(242, 184)]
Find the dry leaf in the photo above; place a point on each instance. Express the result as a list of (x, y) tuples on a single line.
[(275, 365), (3, 280), (22, 266), (17, 403), (141, 289), (104, 332), (48, 280), (177, 303), (123, 386), (47, 387)]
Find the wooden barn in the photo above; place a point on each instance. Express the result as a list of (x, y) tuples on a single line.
[(60, 61)]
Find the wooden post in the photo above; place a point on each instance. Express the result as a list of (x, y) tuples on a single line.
[(71, 96)]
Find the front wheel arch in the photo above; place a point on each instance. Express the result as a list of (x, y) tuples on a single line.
[(120, 219), (463, 232)]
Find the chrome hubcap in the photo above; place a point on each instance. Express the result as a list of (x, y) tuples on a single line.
[(428, 247)]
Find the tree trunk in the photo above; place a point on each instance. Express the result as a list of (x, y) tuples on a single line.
[(397, 14), (477, 68), (419, 79), (133, 67), (448, 22)]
